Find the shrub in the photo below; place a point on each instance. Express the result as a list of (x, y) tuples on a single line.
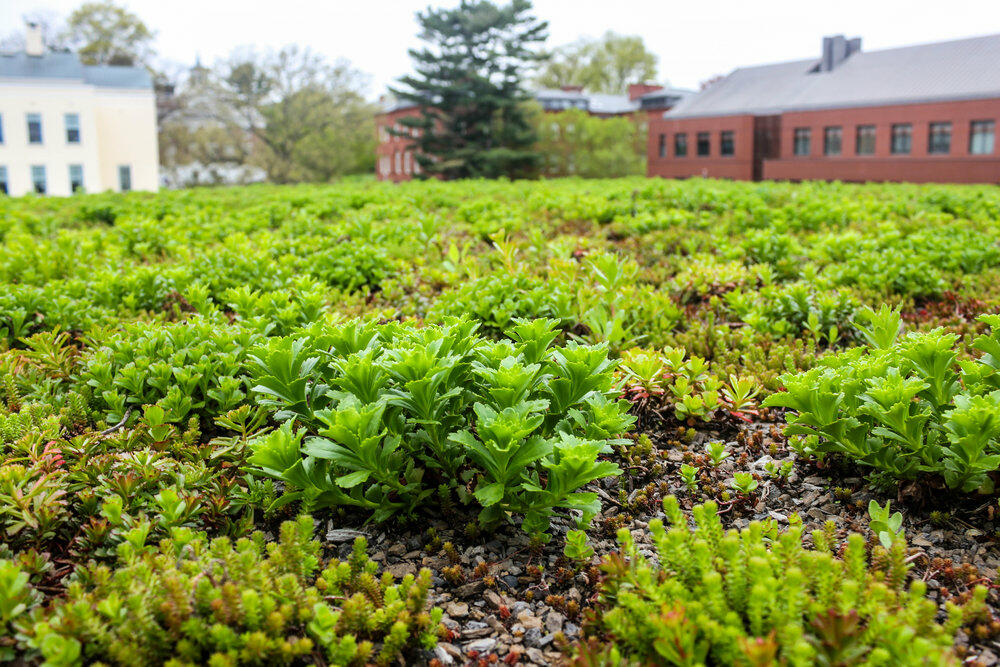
[(384, 414), (760, 597), (907, 407)]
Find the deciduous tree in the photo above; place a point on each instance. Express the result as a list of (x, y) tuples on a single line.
[(104, 33), (605, 65)]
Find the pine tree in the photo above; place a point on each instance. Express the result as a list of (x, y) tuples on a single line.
[(468, 84)]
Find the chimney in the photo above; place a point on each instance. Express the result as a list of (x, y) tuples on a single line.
[(637, 90), (837, 49), (34, 43)]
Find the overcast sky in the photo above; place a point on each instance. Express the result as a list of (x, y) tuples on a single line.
[(694, 39)]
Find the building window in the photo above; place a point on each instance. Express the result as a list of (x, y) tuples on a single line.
[(1, 129), (75, 177), (902, 139), (865, 141), (34, 128), (663, 145), (406, 162), (38, 178), (3, 180), (939, 139), (833, 140), (680, 145), (124, 177), (399, 163), (981, 137), (727, 145), (72, 128), (703, 144), (802, 143)]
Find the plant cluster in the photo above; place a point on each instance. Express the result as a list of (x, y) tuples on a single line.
[(906, 406), (386, 418), (759, 596), (191, 601)]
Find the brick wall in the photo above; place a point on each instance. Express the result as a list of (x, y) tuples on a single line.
[(714, 165)]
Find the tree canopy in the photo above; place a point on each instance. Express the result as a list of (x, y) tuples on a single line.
[(469, 87), (103, 33), (605, 65)]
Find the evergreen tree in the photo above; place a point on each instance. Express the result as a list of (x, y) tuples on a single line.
[(468, 84)]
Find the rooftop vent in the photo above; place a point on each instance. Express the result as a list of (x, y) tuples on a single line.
[(837, 49)]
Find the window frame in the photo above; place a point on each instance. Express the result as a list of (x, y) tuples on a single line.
[(723, 143), (829, 132), (37, 169), (125, 170), (74, 128), (703, 140), (662, 146), (4, 180), (680, 144), (973, 134), (1, 128), (802, 141), (860, 133), (29, 118), (75, 188), (934, 130), (903, 133)]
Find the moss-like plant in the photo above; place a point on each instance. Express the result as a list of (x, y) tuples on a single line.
[(761, 597), (192, 601)]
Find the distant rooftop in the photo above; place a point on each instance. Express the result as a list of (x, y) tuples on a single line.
[(845, 76), (59, 65), (556, 99)]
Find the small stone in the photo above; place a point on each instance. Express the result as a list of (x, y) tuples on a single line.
[(571, 629), (450, 649), (400, 570), (778, 516), (535, 656), (484, 645), (341, 535), (397, 549), (554, 621), (469, 589), (493, 598), (533, 637), (546, 640), (529, 620), (441, 654), (457, 609)]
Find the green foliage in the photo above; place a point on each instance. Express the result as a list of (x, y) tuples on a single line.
[(574, 143), (393, 411), (888, 527), (907, 408), (605, 65), (577, 549), (759, 596), (196, 601)]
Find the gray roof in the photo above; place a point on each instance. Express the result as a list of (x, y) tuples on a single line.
[(592, 102), (67, 66), (954, 70)]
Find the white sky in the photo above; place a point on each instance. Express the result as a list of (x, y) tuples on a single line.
[(694, 39)]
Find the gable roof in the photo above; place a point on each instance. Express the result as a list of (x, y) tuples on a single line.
[(954, 70), (58, 65)]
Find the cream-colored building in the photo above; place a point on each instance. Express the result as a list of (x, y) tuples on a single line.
[(66, 126)]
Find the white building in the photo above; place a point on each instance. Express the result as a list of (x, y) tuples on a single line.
[(66, 126)]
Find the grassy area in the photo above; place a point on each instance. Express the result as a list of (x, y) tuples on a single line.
[(188, 375)]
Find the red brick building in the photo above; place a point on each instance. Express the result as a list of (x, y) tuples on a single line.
[(921, 113), (394, 154)]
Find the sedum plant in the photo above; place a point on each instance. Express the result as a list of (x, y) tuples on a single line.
[(905, 406), (378, 417), (194, 601), (761, 597)]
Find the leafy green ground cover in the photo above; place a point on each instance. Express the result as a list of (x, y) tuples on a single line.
[(180, 370)]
